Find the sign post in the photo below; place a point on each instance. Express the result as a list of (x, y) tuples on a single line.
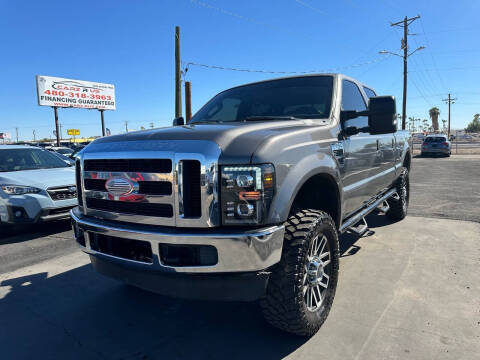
[(61, 92), (103, 122), (57, 133)]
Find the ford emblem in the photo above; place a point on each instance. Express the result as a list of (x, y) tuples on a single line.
[(119, 186)]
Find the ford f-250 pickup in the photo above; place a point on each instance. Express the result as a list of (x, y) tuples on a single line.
[(247, 200)]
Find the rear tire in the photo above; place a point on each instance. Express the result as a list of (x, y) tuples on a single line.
[(399, 207), (302, 285)]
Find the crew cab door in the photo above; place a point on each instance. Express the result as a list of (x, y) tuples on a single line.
[(360, 151), (382, 172)]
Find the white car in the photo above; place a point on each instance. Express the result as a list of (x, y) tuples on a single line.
[(61, 150), (35, 185)]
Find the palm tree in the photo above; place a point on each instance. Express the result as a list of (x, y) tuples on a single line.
[(434, 112), (444, 124), (425, 124), (411, 122)]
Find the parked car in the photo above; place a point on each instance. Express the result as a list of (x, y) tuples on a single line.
[(436, 144), (61, 150), (76, 153), (69, 161), (35, 185), (247, 201)]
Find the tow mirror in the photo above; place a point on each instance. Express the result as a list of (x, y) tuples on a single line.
[(178, 121), (382, 118)]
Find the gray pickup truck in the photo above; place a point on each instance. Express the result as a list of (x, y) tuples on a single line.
[(247, 200)]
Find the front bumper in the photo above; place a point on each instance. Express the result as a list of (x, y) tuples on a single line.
[(241, 253), (33, 208)]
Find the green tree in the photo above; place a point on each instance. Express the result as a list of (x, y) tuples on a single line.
[(425, 124), (434, 112), (411, 122), (444, 124), (474, 126)]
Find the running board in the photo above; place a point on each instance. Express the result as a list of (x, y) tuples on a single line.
[(364, 212), (384, 207), (359, 229)]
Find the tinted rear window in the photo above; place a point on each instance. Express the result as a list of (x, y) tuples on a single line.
[(435, 139)]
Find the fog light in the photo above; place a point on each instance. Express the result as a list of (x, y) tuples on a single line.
[(245, 209), (18, 214)]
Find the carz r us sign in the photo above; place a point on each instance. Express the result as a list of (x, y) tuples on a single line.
[(60, 92)]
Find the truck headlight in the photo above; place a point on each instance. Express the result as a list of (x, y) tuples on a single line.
[(19, 189), (246, 193)]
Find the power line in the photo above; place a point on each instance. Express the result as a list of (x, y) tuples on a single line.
[(217, 67), (226, 12), (308, 6), (433, 58), (420, 92), (449, 69)]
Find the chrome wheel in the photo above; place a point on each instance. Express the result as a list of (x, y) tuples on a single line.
[(317, 273), (404, 194)]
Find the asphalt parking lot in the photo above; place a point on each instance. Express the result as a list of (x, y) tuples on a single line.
[(410, 290)]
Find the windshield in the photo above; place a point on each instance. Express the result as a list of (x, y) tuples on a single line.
[(307, 97), (435, 139), (28, 159)]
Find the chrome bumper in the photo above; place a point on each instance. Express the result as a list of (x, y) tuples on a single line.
[(238, 251)]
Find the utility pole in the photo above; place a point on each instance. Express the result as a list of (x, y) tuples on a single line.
[(126, 126), (449, 101), (188, 101), (178, 86), (404, 23), (34, 135), (16, 130)]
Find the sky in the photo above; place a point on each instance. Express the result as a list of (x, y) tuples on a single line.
[(131, 44)]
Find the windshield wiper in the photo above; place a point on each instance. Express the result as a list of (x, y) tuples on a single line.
[(257, 118)]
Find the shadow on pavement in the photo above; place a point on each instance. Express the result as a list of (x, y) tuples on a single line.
[(78, 314), (82, 315), (25, 232)]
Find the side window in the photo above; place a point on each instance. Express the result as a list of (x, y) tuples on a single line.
[(369, 92), (352, 99)]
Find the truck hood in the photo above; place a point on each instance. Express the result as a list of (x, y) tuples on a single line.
[(41, 178), (237, 141)]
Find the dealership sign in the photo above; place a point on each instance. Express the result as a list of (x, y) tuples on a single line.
[(73, 132), (60, 92), (5, 136)]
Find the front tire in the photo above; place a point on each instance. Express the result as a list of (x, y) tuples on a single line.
[(399, 207), (302, 285)]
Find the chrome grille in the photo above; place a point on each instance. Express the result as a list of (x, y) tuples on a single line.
[(159, 187), (63, 192), (129, 165)]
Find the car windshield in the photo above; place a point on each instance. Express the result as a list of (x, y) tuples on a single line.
[(307, 97), (28, 159), (435, 139)]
